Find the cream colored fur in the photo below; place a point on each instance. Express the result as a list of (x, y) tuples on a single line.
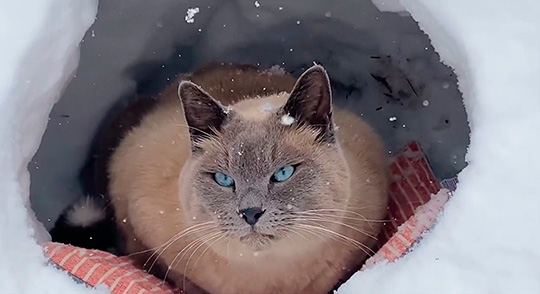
[(147, 189)]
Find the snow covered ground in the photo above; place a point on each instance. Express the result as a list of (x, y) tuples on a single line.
[(484, 242)]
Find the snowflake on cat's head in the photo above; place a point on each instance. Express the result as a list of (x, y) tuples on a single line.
[(287, 120)]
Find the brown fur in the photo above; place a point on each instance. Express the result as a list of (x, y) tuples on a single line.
[(159, 187)]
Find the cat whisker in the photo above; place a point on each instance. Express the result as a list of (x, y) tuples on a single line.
[(316, 234), (171, 243), (291, 239), (335, 238), (295, 232), (219, 237), (345, 218), (155, 248), (340, 210), (200, 244), (326, 235), (316, 218), (186, 249), (191, 230), (359, 245), (345, 212)]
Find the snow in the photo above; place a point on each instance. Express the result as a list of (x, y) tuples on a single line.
[(38, 58), (190, 14), (390, 6), (483, 242), (287, 120), (486, 241)]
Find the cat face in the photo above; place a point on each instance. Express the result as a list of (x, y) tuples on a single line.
[(258, 179)]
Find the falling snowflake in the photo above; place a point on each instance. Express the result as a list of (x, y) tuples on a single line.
[(190, 14)]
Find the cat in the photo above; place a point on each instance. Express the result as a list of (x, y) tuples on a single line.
[(241, 180)]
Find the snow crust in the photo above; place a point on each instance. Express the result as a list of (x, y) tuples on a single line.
[(39, 56), (486, 240)]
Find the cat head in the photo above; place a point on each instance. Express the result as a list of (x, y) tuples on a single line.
[(259, 174)]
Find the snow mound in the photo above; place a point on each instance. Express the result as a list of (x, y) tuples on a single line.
[(39, 56)]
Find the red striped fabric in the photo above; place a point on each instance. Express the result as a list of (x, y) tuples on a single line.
[(411, 231), (412, 185), (415, 201), (95, 268)]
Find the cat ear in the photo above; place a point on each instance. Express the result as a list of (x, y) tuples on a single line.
[(204, 115), (310, 102)]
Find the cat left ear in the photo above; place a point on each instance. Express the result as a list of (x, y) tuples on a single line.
[(204, 115), (310, 102)]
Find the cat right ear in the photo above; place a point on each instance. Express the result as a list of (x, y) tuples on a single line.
[(204, 115), (310, 102)]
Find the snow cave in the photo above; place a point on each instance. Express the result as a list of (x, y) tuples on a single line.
[(431, 72)]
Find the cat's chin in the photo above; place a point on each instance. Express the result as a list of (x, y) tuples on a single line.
[(257, 241)]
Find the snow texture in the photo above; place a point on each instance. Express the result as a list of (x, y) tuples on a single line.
[(38, 57)]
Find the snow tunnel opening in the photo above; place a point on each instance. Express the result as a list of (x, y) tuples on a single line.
[(382, 67)]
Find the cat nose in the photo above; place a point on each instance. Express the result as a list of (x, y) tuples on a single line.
[(251, 215)]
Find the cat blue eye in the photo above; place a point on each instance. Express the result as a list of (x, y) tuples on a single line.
[(283, 173), (223, 180)]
